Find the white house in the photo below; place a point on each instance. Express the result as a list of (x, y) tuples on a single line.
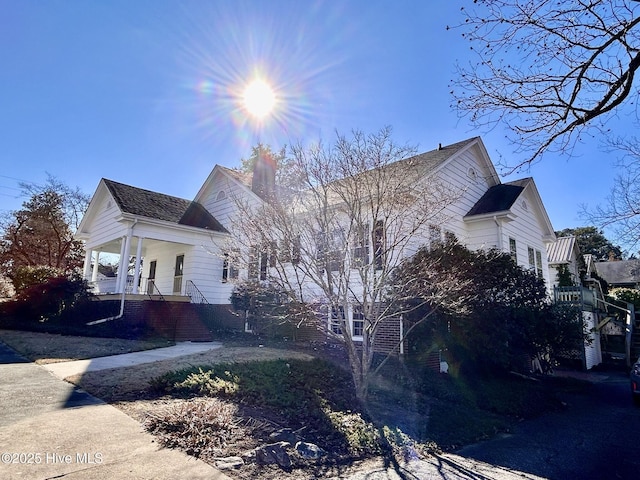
[(181, 247)]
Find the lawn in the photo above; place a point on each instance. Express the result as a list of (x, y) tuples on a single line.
[(227, 402), (45, 348)]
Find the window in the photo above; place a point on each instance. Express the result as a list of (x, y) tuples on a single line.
[(258, 263), (229, 267), (336, 319), (360, 251), (358, 321), (221, 195), (532, 259), (513, 249), (290, 250), (378, 245), (535, 261), (330, 250), (177, 276), (539, 263)]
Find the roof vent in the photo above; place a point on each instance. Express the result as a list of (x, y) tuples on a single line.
[(439, 146)]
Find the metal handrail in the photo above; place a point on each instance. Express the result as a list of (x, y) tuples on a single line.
[(151, 285), (194, 293)]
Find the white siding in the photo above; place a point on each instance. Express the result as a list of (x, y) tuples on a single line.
[(456, 173), (593, 352), (103, 226)]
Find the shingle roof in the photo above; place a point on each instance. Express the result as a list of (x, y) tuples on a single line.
[(145, 203), (560, 251), (498, 198), (434, 158), (623, 272)]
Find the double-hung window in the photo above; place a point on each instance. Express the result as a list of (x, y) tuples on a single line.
[(336, 319), (357, 321), (513, 250), (535, 261), (360, 251), (229, 266), (258, 263)]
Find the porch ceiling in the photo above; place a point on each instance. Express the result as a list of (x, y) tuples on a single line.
[(114, 246)]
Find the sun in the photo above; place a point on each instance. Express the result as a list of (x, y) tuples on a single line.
[(258, 98)]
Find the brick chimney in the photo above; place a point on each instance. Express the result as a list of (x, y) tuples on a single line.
[(264, 175)]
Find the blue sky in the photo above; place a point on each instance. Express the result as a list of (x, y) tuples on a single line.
[(145, 92)]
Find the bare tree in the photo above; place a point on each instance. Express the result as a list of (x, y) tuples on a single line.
[(621, 211), (548, 69), (366, 206)]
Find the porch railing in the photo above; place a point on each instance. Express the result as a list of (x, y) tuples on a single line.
[(194, 293), (152, 290)]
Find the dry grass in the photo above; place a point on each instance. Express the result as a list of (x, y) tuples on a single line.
[(45, 348), (125, 384)]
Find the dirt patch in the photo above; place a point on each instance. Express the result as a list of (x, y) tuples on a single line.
[(44, 348)]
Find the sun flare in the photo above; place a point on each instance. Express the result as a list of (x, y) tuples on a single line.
[(259, 98)]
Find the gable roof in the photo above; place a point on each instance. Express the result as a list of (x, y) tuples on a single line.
[(560, 251), (145, 203), (498, 198)]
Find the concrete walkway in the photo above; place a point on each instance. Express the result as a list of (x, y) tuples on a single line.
[(51, 429), (66, 369)]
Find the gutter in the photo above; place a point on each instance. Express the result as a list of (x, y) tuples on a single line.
[(122, 295)]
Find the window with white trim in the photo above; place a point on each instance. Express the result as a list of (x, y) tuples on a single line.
[(378, 245), (330, 250), (229, 266), (357, 321), (360, 250), (535, 261), (258, 263), (336, 319), (513, 249)]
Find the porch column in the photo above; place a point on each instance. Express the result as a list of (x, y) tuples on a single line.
[(136, 271), (123, 266), (87, 264), (94, 274)]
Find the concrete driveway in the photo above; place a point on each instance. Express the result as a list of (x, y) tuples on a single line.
[(50, 429)]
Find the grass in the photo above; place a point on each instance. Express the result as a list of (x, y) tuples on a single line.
[(227, 401), (45, 348)]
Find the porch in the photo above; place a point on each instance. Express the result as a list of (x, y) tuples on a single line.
[(106, 289)]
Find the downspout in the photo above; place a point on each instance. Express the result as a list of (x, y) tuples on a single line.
[(499, 225), (124, 290)]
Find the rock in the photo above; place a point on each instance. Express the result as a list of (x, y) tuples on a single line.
[(229, 463), (284, 435), (274, 453), (309, 451)]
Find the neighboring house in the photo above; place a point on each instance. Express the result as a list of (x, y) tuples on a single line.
[(186, 246), (619, 273), (564, 256)]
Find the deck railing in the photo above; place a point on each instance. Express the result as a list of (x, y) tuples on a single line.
[(576, 295)]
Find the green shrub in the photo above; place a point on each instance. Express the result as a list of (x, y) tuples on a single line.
[(313, 395), (26, 277)]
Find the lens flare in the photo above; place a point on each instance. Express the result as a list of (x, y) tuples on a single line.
[(258, 98)]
